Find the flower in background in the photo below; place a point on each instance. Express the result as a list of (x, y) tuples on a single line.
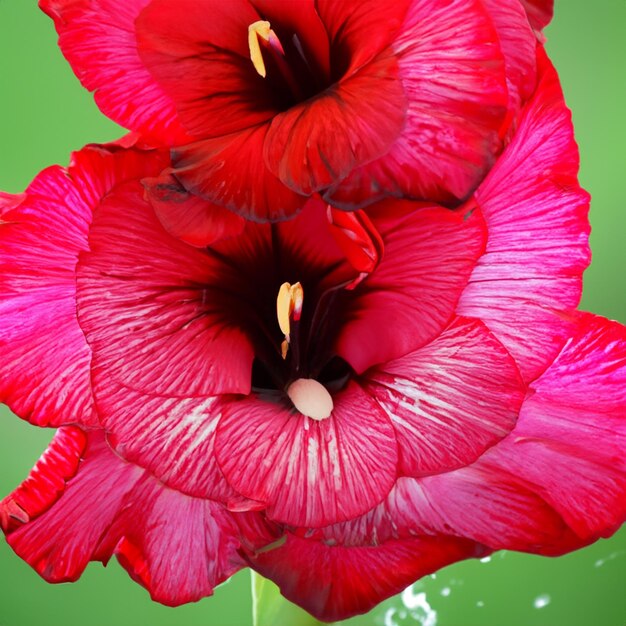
[(323, 398), (265, 103)]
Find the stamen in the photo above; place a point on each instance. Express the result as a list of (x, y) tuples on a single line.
[(261, 30), (288, 309), (311, 398)]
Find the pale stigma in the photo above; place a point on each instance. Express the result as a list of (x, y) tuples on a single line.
[(311, 398)]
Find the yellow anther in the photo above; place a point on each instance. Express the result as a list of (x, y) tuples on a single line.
[(288, 308), (260, 29)]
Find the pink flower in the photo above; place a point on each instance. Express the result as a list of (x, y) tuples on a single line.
[(323, 399), (265, 103)]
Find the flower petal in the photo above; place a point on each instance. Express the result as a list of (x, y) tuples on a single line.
[(198, 53), (43, 350), (539, 12), (334, 582), (310, 473), (230, 171), (410, 297), (178, 547), (450, 400), (452, 71), (187, 217), (570, 438), (150, 318), (528, 282), (98, 40), (46, 481), (319, 141)]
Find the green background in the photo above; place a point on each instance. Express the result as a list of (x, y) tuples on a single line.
[(44, 114)]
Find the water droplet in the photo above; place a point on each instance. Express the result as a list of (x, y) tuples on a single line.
[(445, 592), (542, 601), (419, 607), (487, 559)]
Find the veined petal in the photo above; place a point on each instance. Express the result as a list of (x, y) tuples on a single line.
[(450, 400), (528, 283), (99, 41), (309, 473), (569, 442), (230, 171), (43, 350), (178, 547), (452, 72), (409, 299), (335, 582), (316, 142), (147, 310)]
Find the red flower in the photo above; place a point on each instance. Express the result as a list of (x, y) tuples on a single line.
[(265, 103), (321, 400)]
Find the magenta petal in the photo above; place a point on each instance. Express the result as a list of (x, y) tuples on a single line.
[(146, 311), (527, 284), (98, 40), (571, 435), (42, 347), (309, 473), (450, 400), (334, 582), (411, 296)]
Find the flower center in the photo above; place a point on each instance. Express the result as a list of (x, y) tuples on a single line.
[(289, 73)]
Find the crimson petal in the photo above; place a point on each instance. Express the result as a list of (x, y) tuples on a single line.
[(98, 40), (335, 582), (411, 296)]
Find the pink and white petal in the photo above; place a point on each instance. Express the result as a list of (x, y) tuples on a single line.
[(99, 41), (190, 218), (540, 13), (179, 548), (43, 350), (453, 75), (527, 284), (309, 473), (410, 297), (358, 32), (570, 439), (450, 400), (150, 319), (61, 541), (172, 437), (318, 142), (204, 64), (334, 582), (518, 44), (46, 481), (230, 171)]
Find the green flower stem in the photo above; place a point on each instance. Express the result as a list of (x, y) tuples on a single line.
[(270, 608)]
